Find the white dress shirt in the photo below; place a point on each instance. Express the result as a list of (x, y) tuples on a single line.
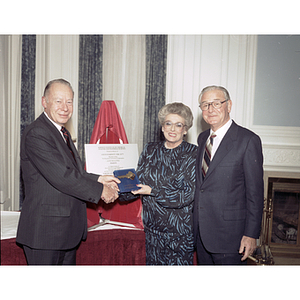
[(218, 139), (56, 125)]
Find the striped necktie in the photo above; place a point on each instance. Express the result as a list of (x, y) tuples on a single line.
[(207, 154), (67, 137)]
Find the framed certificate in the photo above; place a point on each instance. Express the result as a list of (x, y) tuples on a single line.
[(129, 180), (103, 159)]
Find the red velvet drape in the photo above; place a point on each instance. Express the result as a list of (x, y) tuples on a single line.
[(102, 247), (109, 129)]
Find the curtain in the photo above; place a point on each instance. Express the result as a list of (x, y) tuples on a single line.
[(124, 81), (27, 89), (4, 121), (156, 65), (89, 87), (10, 97), (28, 81)]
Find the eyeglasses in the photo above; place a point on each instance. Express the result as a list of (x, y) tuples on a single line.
[(215, 104), (169, 125)]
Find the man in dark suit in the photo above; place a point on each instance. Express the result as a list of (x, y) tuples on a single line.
[(53, 218), (229, 193)]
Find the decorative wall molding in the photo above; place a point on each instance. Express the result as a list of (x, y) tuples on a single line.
[(278, 135), (281, 158)]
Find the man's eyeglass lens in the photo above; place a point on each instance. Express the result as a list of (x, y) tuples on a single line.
[(216, 104)]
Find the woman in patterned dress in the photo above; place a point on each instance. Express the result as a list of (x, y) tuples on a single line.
[(166, 171)]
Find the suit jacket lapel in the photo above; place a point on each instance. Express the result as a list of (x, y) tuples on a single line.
[(68, 152), (77, 158), (60, 139), (223, 149)]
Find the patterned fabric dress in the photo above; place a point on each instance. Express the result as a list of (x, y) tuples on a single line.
[(167, 212)]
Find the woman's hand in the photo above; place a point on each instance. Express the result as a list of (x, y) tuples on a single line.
[(144, 190)]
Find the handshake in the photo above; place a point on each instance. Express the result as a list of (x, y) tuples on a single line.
[(110, 188)]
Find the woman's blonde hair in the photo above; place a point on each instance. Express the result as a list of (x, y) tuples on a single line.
[(179, 109)]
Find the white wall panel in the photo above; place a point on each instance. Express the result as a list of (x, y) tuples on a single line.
[(196, 61)]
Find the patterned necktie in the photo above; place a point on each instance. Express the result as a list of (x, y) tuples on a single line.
[(207, 154), (67, 137)]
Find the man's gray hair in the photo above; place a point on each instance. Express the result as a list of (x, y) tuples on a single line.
[(60, 80), (212, 88)]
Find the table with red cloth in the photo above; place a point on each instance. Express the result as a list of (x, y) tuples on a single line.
[(109, 244), (102, 247)]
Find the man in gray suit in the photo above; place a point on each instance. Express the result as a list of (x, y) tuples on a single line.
[(53, 219), (229, 193)]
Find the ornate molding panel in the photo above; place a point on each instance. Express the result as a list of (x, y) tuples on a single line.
[(281, 158)]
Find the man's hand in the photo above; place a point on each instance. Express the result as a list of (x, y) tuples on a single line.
[(109, 194), (249, 245), (110, 188), (109, 180)]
